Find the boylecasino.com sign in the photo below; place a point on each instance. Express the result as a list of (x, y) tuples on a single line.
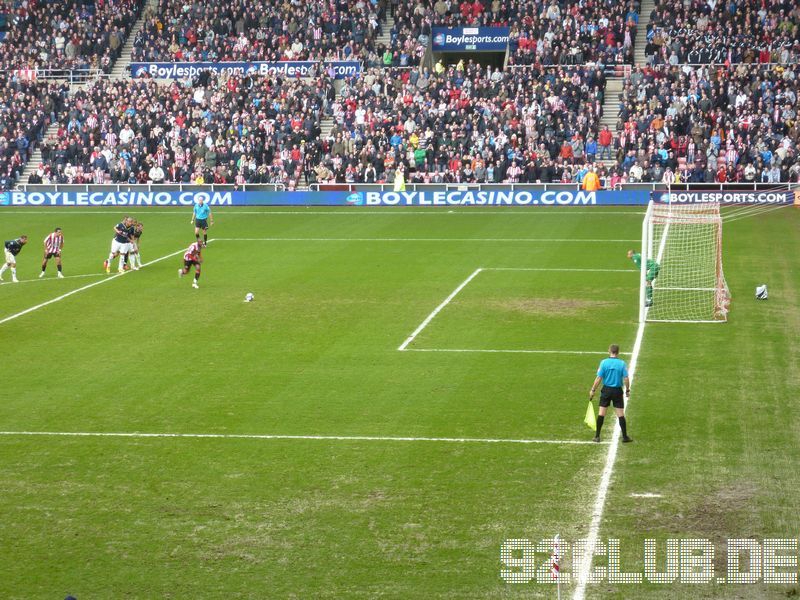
[(459, 39), (330, 198), (187, 70), (499, 198), (116, 198), (751, 197)]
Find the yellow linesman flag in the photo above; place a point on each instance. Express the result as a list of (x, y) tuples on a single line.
[(589, 419)]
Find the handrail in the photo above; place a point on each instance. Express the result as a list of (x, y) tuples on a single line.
[(53, 73), (150, 187), (608, 68), (718, 64), (418, 187)]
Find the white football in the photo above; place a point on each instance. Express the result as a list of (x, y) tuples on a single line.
[(249, 297)]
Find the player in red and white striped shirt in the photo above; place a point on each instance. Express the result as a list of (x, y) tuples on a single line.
[(53, 244), (192, 257)]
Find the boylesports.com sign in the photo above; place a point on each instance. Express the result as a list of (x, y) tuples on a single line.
[(455, 39), (725, 197), (328, 198), (187, 70)]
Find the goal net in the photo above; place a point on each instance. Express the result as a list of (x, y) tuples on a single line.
[(682, 278)]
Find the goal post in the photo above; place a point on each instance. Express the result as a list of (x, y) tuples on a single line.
[(682, 264)]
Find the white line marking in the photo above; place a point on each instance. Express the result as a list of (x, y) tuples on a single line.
[(688, 289), (343, 438), (682, 321), (436, 310), (533, 240), (585, 565), (510, 351), (81, 289), (54, 278), (558, 270), (645, 495), (342, 211)]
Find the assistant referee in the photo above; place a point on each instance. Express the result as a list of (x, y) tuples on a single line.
[(613, 373)]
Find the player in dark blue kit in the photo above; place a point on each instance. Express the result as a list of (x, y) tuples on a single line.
[(12, 248), (121, 244)]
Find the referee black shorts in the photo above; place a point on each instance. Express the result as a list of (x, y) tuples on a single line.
[(609, 395)]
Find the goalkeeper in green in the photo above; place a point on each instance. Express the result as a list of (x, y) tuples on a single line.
[(650, 274)]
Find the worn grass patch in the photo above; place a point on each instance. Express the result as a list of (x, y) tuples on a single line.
[(548, 306)]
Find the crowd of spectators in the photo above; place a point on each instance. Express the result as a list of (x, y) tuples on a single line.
[(710, 124), (542, 31), (466, 124), (26, 110), (536, 121), (70, 34), (216, 129), (578, 33), (729, 31), (245, 30)]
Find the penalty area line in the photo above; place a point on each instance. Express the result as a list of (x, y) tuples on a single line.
[(330, 438), (493, 351), (561, 270), (345, 211), (40, 279), (436, 310), (83, 289), (493, 240)]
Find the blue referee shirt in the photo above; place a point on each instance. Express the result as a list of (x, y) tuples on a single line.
[(201, 211), (612, 371)]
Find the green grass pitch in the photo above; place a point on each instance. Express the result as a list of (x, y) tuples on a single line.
[(715, 410)]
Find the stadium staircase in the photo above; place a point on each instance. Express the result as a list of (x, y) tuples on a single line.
[(614, 84), (326, 124), (121, 69), (611, 110), (385, 39), (646, 8)]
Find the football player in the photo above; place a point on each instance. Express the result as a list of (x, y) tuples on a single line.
[(53, 244), (192, 258), (120, 244), (12, 248), (135, 257)]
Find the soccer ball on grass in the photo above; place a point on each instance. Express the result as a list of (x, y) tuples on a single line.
[(249, 297)]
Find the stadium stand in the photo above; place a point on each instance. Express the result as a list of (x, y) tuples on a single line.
[(713, 31), (539, 120), (710, 124), (549, 33), (217, 129), (472, 124), (26, 109), (263, 31), (67, 35), (575, 33)]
